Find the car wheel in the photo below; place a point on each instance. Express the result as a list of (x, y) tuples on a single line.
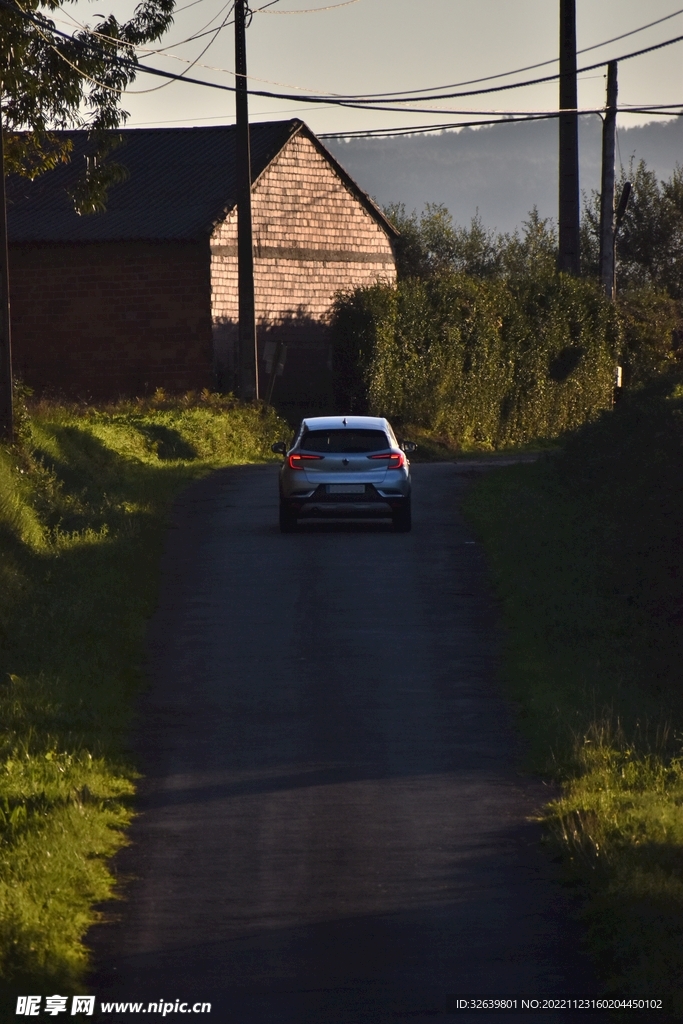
[(402, 519), (288, 520)]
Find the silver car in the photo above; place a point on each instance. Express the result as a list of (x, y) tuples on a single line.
[(345, 466)]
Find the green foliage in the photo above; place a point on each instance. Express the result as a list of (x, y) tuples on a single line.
[(650, 241), (630, 464), (585, 550), (533, 253), (425, 244), (619, 830), (363, 321), (51, 83), (482, 362), (649, 263), (431, 245), (651, 324), (83, 501)]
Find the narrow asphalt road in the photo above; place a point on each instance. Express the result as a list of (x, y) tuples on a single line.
[(333, 829)]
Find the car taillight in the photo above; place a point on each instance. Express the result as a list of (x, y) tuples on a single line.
[(296, 461), (396, 460)]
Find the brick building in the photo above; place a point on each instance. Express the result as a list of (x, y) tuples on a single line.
[(144, 295)]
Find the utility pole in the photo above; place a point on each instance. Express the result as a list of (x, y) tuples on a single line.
[(622, 206), (618, 221), (607, 230), (6, 411), (247, 351), (569, 143)]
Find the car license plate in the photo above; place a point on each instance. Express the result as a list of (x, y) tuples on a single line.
[(346, 489)]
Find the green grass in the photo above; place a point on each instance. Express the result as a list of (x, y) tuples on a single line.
[(433, 446), (585, 549), (84, 495)]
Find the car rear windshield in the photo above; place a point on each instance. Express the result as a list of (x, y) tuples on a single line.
[(346, 442)]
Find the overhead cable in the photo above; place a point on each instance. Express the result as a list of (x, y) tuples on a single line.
[(204, 31), (426, 129), (309, 10), (216, 32), (177, 10), (132, 66), (409, 98), (529, 67), (163, 50), (346, 102), (359, 104)]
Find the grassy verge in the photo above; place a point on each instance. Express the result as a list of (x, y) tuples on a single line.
[(83, 499), (585, 547), (433, 446)]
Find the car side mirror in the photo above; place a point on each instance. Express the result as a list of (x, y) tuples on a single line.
[(407, 446), (280, 448)]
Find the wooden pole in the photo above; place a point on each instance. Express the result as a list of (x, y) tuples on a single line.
[(619, 215), (276, 363), (6, 408), (609, 134), (247, 350), (569, 210)]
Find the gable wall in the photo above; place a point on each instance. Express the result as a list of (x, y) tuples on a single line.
[(107, 319), (312, 238)]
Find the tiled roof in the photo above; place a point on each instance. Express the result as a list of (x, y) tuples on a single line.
[(181, 182)]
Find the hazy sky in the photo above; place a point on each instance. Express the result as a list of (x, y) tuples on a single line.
[(386, 45)]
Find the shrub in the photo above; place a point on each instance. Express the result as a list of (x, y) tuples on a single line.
[(649, 245), (485, 362), (652, 333)]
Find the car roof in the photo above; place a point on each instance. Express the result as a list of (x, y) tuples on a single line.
[(339, 422)]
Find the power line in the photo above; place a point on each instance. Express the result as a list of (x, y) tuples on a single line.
[(313, 10), (425, 129), (118, 89), (653, 110), (177, 10), (362, 132), (409, 97), (359, 104), (368, 96), (386, 133), (144, 49), (409, 94), (163, 51), (354, 103), (529, 67), (216, 33), (83, 74)]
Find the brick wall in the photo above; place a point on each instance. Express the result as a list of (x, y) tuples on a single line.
[(108, 319), (312, 238)]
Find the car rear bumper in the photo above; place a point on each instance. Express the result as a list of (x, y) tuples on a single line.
[(323, 504), (348, 510)]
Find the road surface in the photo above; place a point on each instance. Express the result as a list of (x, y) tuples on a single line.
[(333, 827)]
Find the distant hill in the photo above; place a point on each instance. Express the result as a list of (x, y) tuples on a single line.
[(503, 170)]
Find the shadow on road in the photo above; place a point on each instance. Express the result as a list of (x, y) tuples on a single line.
[(333, 829)]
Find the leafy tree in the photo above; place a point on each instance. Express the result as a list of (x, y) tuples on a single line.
[(426, 245), (533, 253), (434, 252), (431, 245), (650, 241), (50, 83), (651, 333), (478, 250)]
